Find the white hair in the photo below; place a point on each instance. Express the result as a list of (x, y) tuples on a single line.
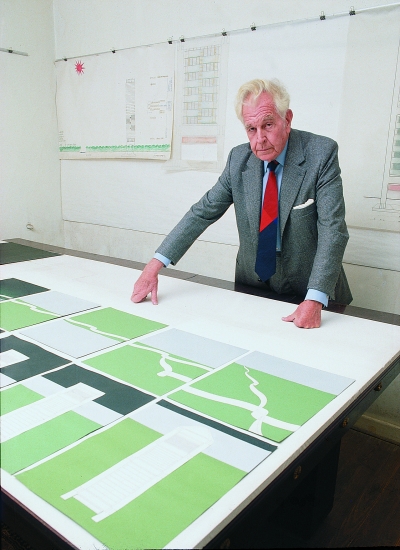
[(250, 91)]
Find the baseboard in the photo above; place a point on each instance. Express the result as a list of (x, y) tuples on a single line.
[(378, 428)]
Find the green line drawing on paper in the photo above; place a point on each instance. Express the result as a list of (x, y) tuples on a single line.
[(128, 148), (163, 148), (70, 148)]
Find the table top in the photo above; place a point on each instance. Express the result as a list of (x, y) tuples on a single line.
[(345, 346)]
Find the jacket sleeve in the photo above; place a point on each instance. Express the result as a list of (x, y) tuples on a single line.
[(331, 225), (202, 214)]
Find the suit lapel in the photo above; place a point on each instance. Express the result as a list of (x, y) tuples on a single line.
[(292, 178), (252, 178)]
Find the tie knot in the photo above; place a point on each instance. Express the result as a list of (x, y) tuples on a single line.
[(272, 165)]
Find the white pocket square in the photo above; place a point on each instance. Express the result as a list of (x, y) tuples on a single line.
[(307, 203)]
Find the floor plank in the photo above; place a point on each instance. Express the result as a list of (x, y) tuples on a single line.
[(366, 511)]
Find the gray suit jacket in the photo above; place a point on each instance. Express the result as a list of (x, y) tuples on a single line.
[(313, 238)]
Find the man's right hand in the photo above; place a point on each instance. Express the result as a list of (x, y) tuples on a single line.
[(147, 282)]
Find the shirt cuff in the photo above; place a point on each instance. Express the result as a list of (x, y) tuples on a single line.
[(162, 259), (318, 296)]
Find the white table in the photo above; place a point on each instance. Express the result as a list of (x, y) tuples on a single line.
[(354, 347)]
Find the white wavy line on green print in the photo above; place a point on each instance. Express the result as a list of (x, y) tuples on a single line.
[(167, 368), (35, 308), (97, 331), (256, 427), (257, 411)]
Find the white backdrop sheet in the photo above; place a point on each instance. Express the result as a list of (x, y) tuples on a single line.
[(369, 110)]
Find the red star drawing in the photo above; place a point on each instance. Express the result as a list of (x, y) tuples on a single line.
[(79, 67)]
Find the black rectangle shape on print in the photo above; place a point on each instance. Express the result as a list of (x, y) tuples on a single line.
[(118, 397)]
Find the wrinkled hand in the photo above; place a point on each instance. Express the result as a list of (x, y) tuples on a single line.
[(307, 315), (147, 282)]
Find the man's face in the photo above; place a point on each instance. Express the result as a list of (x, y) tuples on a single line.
[(266, 130)]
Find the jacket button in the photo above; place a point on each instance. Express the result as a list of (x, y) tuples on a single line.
[(259, 280)]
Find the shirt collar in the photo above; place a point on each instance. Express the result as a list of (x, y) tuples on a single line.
[(280, 158)]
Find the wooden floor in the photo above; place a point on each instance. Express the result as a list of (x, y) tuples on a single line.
[(366, 511)]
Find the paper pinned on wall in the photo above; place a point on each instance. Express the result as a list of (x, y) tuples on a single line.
[(200, 105), (117, 105)]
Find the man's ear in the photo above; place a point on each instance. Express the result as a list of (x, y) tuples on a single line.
[(289, 118)]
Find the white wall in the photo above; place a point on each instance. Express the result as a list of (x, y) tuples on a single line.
[(30, 168)]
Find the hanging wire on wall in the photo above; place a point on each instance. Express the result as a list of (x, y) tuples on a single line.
[(253, 27), (10, 50)]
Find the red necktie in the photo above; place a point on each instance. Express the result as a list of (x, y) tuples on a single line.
[(266, 253)]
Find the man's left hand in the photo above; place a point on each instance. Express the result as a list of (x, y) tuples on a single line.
[(307, 315)]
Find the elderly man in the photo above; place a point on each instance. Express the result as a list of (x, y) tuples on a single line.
[(287, 191)]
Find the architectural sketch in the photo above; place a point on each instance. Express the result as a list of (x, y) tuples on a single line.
[(200, 105), (120, 106), (390, 194), (130, 110), (369, 146), (201, 88)]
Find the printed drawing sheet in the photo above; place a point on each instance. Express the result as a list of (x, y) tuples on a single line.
[(165, 361), (160, 463), (44, 414), (115, 419), (265, 395), (116, 105), (200, 105), (372, 181)]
